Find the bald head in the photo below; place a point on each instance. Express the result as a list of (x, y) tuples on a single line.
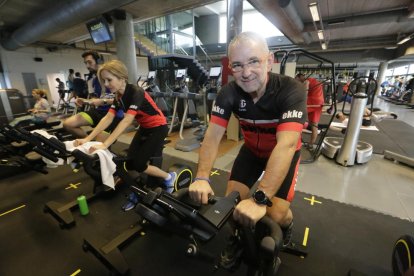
[(249, 38)]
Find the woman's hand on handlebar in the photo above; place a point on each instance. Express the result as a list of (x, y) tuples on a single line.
[(78, 142), (97, 147), (200, 190)]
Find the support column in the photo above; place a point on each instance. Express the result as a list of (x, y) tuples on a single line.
[(125, 45), (381, 76), (234, 18)]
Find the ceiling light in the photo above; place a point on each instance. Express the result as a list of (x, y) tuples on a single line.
[(323, 45), (320, 35), (313, 7)]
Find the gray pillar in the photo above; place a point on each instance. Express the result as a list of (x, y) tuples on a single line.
[(234, 18), (125, 46), (381, 75)]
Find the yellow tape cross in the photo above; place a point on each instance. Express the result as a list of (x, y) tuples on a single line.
[(312, 200), (12, 210), (72, 186), (215, 172)]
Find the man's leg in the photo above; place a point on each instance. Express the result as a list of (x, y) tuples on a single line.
[(73, 125)]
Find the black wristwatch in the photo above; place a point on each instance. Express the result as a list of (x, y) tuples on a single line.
[(260, 198)]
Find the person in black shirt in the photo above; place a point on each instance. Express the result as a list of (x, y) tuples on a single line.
[(271, 109)]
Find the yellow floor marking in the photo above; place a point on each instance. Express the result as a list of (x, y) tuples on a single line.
[(312, 200), (72, 186), (215, 172), (12, 210), (305, 237), (76, 272)]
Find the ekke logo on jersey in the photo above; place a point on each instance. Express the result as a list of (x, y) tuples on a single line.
[(292, 114), (218, 110), (133, 106)]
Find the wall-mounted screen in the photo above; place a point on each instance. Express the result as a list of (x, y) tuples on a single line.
[(99, 30), (215, 72), (180, 73)]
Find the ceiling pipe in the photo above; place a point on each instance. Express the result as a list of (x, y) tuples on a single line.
[(279, 17), (292, 14), (379, 17), (59, 18)]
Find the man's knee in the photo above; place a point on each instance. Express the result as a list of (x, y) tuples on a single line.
[(280, 211), (75, 121)]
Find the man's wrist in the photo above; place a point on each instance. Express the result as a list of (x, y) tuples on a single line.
[(202, 178)]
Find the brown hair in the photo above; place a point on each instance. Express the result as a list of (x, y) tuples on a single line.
[(41, 92)]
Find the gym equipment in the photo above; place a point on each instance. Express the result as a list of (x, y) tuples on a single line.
[(19, 158), (392, 156), (349, 150), (295, 54), (12, 105), (188, 98), (152, 88), (108, 252), (403, 256)]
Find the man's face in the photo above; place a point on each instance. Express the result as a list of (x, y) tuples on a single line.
[(90, 64), (250, 64)]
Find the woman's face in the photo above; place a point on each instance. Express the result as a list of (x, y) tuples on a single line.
[(112, 82), (36, 96)]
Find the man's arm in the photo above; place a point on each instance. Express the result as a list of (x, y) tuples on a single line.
[(248, 212), (201, 189), (279, 162)]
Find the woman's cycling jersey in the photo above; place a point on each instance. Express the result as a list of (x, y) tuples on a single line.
[(281, 108), (137, 102)]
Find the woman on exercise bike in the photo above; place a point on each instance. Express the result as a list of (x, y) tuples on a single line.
[(136, 104)]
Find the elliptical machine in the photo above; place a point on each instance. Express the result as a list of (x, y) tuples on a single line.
[(349, 150)]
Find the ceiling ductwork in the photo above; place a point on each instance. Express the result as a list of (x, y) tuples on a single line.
[(284, 15), (58, 18)]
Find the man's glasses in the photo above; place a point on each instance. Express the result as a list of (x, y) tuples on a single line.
[(237, 67)]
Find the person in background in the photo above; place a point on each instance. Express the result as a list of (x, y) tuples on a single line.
[(39, 113), (315, 102), (69, 83), (271, 109), (101, 103), (137, 105)]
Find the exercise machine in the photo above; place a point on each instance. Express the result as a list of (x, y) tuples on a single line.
[(159, 97), (349, 150), (109, 252), (403, 256), (296, 54)]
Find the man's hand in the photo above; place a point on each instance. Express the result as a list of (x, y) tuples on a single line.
[(79, 101), (248, 212), (200, 190)]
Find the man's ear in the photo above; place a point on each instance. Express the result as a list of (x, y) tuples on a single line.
[(270, 60)]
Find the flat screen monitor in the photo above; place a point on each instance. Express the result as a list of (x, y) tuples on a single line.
[(180, 73), (215, 72), (151, 75), (99, 30)]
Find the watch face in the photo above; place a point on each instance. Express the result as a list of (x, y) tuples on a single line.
[(260, 196)]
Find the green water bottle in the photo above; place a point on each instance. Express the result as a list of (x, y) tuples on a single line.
[(83, 205)]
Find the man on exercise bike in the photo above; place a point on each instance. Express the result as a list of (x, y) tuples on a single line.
[(271, 109)]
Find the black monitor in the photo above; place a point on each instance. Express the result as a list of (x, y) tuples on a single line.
[(180, 73), (151, 75), (99, 30), (215, 72)]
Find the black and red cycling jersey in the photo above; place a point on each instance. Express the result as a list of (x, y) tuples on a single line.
[(137, 102), (281, 108)]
